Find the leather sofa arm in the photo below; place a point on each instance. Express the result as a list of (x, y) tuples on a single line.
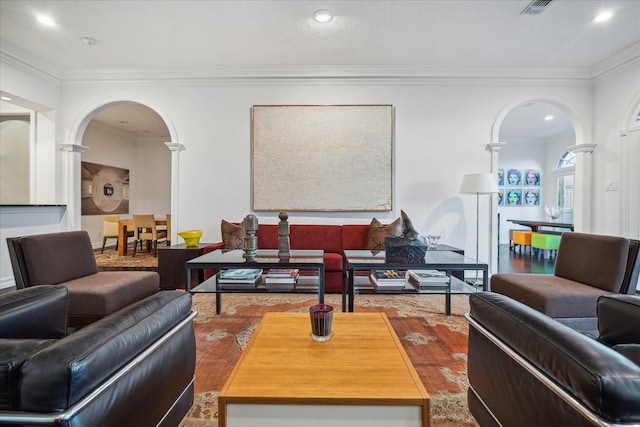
[(619, 319), (59, 376), (597, 376), (38, 312)]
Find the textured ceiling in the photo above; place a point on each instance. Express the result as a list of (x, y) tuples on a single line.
[(207, 35), (203, 34)]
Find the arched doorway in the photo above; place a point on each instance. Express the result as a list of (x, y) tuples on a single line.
[(129, 136), (523, 140), (536, 134)]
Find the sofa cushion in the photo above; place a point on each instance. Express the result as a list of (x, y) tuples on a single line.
[(54, 258), (105, 292), (354, 236), (314, 236), (549, 294), (13, 353), (38, 312), (619, 319), (232, 236), (598, 261), (332, 261), (630, 351), (378, 233)]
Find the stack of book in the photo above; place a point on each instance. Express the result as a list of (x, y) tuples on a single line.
[(428, 279), (281, 278), (387, 280), (308, 279), (240, 278)]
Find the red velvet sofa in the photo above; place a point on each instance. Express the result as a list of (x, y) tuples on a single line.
[(332, 239)]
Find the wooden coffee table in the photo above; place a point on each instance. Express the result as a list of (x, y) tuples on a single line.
[(361, 377)]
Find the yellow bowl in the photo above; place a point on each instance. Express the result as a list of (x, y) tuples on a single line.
[(191, 237)]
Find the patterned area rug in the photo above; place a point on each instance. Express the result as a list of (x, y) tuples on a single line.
[(435, 343), (109, 260)]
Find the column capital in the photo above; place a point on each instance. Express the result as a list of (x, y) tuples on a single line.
[(494, 146), (72, 148), (175, 146), (583, 148)]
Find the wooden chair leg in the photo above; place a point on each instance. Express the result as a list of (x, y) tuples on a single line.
[(104, 241)]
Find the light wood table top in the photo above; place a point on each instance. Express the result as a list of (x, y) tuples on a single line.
[(363, 363)]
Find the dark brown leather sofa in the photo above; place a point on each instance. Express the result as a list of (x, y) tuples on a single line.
[(134, 367), (66, 258), (526, 369), (587, 266)]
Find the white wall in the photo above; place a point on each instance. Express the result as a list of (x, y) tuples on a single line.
[(41, 93), (614, 94), (441, 132)]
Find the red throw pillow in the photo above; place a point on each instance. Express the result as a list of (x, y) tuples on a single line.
[(378, 233), (232, 236)]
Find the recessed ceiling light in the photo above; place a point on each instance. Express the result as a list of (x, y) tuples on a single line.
[(548, 117), (5, 98), (46, 20), (603, 16), (322, 15), (88, 41)]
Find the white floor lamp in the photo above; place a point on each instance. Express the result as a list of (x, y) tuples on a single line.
[(478, 183)]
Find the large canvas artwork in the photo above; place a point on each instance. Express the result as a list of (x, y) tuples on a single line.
[(322, 158), (105, 189)]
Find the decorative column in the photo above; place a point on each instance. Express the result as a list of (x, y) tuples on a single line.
[(494, 238), (582, 186), (175, 148), (71, 187), (630, 182)]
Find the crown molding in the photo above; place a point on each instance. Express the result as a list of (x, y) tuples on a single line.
[(626, 57), (337, 74), (334, 75), (29, 63)]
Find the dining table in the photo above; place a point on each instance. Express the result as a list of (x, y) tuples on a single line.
[(535, 225), (123, 226)]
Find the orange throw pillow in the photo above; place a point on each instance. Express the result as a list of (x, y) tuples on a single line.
[(378, 233), (232, 236)]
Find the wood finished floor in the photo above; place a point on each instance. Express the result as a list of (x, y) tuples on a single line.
[(522, 262)]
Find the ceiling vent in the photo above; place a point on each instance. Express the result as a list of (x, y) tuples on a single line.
[(536, 7)]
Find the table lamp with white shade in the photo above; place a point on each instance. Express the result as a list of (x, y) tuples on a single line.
[(478, 183)]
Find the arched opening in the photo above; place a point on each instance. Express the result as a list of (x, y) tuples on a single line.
[(536, 133), (127, 155)]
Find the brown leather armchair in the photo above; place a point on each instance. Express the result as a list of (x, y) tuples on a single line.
[(133, 368), (528, 370)]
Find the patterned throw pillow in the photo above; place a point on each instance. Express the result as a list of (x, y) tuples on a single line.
[(378, 233), (232, 236)]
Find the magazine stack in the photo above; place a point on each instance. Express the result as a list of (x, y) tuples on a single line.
[(281, 278), (387, 280), (240, 278), (428, 279)]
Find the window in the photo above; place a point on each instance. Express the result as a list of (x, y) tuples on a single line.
[(567, 160), (564, 184)]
